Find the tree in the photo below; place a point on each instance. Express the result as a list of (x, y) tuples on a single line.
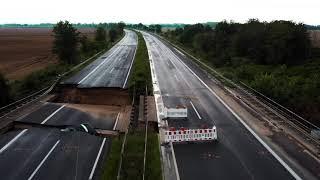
[(65, 44), (4, 91), (112, 34), (100, 34)]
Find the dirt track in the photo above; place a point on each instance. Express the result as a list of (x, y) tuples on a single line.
[(24, 50)]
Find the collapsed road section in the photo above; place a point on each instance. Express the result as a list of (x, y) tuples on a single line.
[(66, 134)]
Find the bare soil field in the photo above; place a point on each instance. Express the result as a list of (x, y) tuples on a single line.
[(24, 50), (315, 38)]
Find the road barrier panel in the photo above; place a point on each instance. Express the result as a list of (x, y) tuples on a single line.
[(190, 135), (177, 112)]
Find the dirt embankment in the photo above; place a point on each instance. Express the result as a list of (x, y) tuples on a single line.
[(98, 96), (24, 50)]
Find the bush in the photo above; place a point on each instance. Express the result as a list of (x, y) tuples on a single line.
[(4, 91)]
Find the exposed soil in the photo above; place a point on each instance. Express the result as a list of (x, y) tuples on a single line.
[(113, 104), (24, 50), (98, 96)]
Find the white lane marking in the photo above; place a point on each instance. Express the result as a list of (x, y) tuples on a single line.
[(179, 51), (12, 141), (25, 130), (55, 112), (175, 76), (168, 63), (275, 155), (112, 70), (43, 160), (115, 124), (154, 79), (195, 110), (84, 127), (97, 159), (98, 66), (168, 160), (134, 55), (175, 161)]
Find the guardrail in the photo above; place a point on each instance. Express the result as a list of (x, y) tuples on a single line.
[(297, 122), (36, 95)]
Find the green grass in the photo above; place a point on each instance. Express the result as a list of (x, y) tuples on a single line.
[(132, 164), (153, 161), (111, 165), (140, 76)]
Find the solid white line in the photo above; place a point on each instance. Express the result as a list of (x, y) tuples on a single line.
[(49, 117), (97, 159), (175, 161), (179, 51), (25, 130), (195, 110), (43, 160), (12, 141), (284, 164), (112, 70), (154, 79), (134, 55), (168, 160), (115, 124), (97, 67), (176, 77)]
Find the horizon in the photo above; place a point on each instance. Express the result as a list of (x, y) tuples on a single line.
[(153, 12)]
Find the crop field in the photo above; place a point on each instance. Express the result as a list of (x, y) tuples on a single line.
[(24, 50)]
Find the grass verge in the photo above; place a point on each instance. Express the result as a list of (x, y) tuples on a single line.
[(153, 161), (132, 164), (111, 164), (140, 76)]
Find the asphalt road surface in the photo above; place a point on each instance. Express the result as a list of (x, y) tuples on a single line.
[(42, 153), (237, 154), (47, 153), (112, 68)]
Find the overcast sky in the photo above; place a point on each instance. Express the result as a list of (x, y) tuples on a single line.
[(160, 11)]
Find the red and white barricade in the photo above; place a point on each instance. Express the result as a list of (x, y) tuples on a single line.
[(186, 135)]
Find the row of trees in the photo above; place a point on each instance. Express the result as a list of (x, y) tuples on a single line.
[(67, 40), (274, 58), (277, 42), (157, 28)]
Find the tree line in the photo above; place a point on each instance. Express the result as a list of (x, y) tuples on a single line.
[(67, 40), (275, 58), (277, 42)]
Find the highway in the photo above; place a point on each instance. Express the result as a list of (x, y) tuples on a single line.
[(65, 155), (111, 69), (237, 154), (45, 153)]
